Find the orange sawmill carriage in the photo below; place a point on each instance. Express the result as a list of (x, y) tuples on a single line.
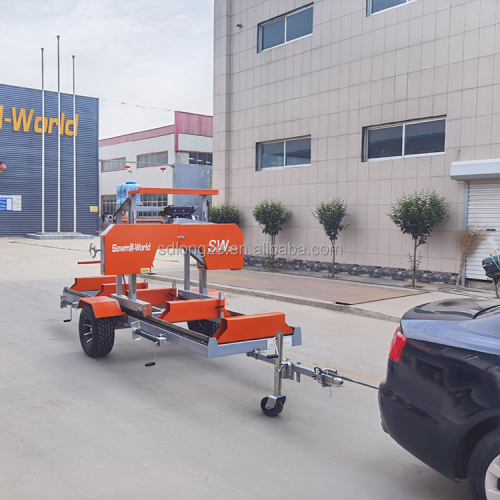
[(119, 299)]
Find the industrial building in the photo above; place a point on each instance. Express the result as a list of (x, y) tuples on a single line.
[(177, 155), (365, 100), (21, 131)]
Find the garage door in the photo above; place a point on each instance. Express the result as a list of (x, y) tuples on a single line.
[(483, 213)]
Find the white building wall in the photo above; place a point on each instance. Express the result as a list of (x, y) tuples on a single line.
[(195, 143), (420, 60), (145, 176)]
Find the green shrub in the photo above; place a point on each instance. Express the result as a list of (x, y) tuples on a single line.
[(226, 213)]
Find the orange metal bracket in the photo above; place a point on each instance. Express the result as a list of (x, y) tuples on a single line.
[(103, 307), (108, 288), (157, 296), (191, 310), (93, 283), (255, 326)]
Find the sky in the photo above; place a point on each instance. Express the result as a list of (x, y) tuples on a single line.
[(156, 56)]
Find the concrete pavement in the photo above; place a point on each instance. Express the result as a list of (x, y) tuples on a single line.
[(76, 428), (320, 289)]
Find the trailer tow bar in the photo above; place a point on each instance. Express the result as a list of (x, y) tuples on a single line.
[(285, 368)]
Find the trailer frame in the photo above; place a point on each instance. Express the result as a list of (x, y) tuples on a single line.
[(110, 299)]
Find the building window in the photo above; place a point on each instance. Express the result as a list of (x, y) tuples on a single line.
[(289, 153), (108, 204), (110, 165), (375, 6), (200, 158), (286, 28), (152, 160), (406, 139), (152, 200)]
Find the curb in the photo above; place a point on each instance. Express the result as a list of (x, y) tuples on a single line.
[(292, 299)]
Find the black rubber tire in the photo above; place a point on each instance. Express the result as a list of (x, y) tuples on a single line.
[(205, 326), (273, 412), (482, 456), (100, 330)]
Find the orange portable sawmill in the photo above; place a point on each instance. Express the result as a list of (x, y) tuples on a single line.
[(117, 299)]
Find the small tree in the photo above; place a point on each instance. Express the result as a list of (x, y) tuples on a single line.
[(467, 241), (271, 215), (330, 215), (418, 214), (226, 213)]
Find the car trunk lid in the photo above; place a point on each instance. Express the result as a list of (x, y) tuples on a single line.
[(451, 309)]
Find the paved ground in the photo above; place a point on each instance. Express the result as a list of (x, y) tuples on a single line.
[(341, 292), (76, 428)]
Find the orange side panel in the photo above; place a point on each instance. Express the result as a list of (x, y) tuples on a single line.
[(255, 326), (221, 243), (108, 288), (157, 296), (131, 248), (191, 310), (103, 307), (94, 283)]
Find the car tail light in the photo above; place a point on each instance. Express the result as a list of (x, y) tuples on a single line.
[(397, 345)]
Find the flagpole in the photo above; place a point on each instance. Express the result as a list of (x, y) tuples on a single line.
[(43, 148), (74, 149), (58, 140)]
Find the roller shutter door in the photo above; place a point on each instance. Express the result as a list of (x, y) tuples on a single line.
[(483, 213)]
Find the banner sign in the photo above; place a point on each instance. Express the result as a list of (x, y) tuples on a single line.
[(12, 203)]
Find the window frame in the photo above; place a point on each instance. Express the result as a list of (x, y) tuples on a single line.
[(155, 203), (148, 154), (369, 6), (403, 124), (102, 202), (278, 18), (200, 153), (115, 170), (259, 155)]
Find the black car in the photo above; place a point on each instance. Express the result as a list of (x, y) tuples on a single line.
[(441, 398)]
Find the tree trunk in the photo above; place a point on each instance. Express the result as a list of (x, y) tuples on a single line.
[(333, 259), (414, 263), (460, 271), (273, 239)]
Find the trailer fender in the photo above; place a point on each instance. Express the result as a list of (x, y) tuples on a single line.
[(103, 307)]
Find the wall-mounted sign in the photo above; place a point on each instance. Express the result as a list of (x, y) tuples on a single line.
[(94, 209), (10, 203), (21, 120)]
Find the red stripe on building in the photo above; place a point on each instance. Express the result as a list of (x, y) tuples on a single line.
[(138, 136), (185, 123), (193, 124)]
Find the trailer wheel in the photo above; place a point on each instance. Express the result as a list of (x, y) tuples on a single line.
[(272, 412), (204, 326), (97, 335)]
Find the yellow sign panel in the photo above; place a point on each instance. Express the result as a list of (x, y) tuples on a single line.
[(94, 209), (25, 118)]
